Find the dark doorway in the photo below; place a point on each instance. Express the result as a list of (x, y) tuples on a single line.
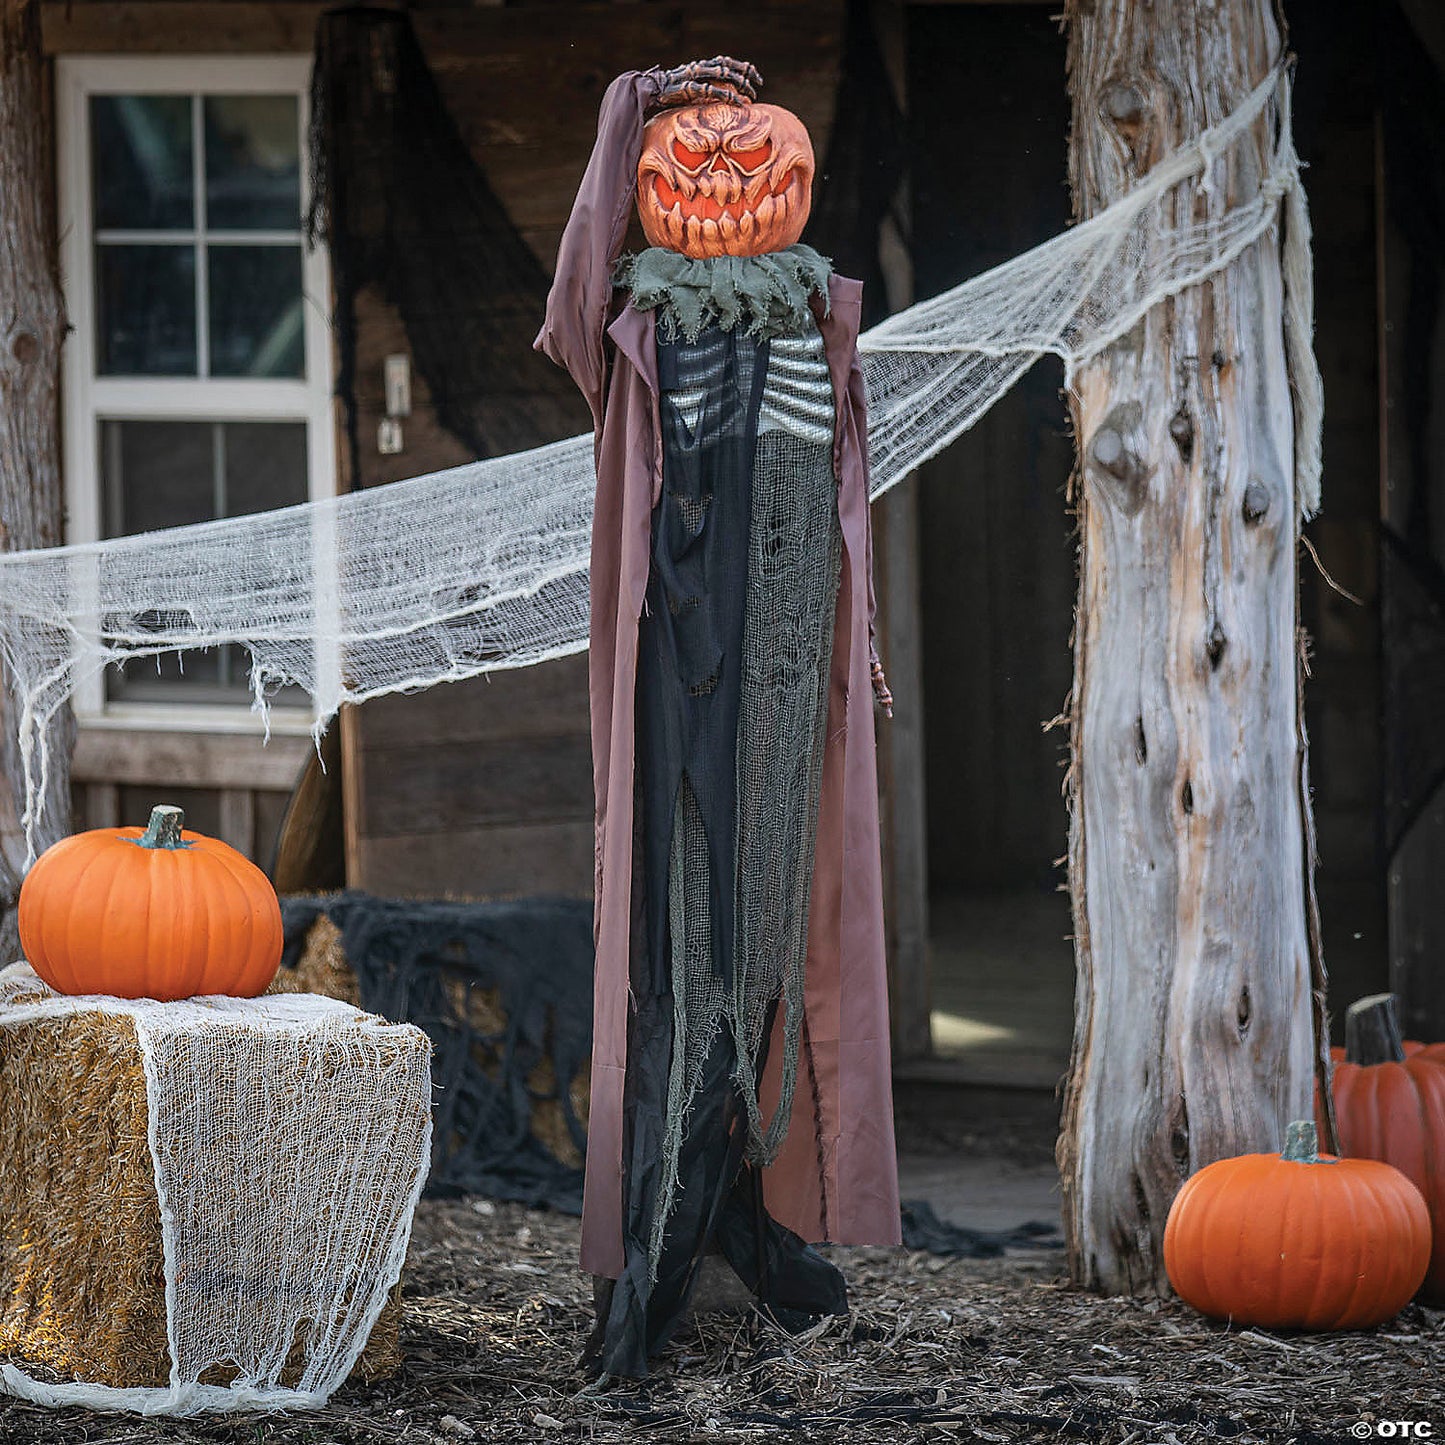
[(989, 116)]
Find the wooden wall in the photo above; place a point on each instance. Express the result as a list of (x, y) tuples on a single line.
[(989, 115), (1335, 134), (231, 785), (1410, 217), (484, 788)]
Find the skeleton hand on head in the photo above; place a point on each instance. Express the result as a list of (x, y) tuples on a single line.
[(720, 79)]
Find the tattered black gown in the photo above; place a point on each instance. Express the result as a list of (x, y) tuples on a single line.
[(734, 653)]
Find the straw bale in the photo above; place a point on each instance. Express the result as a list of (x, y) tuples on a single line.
[(322, 967), (82, 1287)]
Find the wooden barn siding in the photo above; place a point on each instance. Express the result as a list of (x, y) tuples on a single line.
[(484, 788), (997, 563), (1335, 134), (231, 785), (1412, 499)]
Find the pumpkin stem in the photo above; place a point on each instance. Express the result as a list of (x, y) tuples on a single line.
[(1302, 1142), (1372, 1031), (164, 830)]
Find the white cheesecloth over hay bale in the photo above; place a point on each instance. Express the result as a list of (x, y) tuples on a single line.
[(485, 566), (289, 1137)]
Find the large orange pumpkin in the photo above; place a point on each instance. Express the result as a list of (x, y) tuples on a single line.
[(725, 180), (159, 913), (1390, 1105), (1297, 1240)]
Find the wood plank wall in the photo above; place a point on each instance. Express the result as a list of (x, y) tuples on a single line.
[(232, 786), (483, 788)]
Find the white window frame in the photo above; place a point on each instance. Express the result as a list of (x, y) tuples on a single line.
[(86, 397)]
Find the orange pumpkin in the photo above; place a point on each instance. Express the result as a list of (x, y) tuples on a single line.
[(1390, 1105), (725, 180), (1297, 1240), (160, 914)]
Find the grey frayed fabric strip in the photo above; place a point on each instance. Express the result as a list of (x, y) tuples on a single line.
[(767, 296)]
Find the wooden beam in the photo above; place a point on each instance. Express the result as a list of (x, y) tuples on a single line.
[(126, 757), (1194, 1035), (604, 35), (178, 27), (101, 806), (32, 327), (238, 820)]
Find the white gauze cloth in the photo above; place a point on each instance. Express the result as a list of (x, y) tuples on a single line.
[(483, 567)]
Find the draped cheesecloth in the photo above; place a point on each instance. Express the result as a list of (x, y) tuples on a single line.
[(485, 566), (289, 1138)]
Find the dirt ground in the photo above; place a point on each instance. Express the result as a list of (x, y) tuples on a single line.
[(935, 1349)]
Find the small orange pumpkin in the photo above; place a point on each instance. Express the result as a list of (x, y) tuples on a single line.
[(1390, 1105), (725, 180), (160, 914), (1297, 1240)]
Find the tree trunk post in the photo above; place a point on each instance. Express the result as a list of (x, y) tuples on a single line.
[(32, 328), (1190, 858)]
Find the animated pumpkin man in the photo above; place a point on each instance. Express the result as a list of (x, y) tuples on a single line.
[(740, 1077)]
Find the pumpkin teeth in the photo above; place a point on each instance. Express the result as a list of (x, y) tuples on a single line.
[(676, 230), (694, 230), (746, 226), (728, 225), (765, 210), (710, 232)]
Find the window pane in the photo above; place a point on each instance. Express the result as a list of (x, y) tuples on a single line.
[(253, 171), (157, 474), (169, 474), (265, 466), (146, 298), (141, 154), (257, 323)]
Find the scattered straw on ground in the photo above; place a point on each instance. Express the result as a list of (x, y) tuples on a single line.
[(935, 1350)]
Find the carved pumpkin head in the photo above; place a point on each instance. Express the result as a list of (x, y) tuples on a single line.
[(725, 180)]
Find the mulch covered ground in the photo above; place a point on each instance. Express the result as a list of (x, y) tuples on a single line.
[(935, 1349)]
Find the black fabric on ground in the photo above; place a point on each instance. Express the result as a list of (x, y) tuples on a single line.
[(452, 968), (404, 207), (923, 1229)]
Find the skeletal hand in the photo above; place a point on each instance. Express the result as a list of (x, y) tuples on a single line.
[(881, 695), (721, 78)]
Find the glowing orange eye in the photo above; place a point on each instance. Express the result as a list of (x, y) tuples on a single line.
[(685, 157), (750, 160)]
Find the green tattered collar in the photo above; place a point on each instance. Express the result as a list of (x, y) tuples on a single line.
[(766, 295)]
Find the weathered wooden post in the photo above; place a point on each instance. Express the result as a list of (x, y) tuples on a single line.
[(1190, 855), (32, 327)]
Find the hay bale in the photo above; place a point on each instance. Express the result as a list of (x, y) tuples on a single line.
[(322, 967), (82, 1287)]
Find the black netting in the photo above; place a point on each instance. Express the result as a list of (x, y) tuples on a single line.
[(866, 161), (403, 207), (504, 991)]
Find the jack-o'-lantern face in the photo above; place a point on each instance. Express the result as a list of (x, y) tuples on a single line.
[(725, 180)]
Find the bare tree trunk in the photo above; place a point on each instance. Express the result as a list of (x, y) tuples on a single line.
[(1190, 864), (32, 327)]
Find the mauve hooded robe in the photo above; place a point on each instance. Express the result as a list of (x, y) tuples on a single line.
[(836, 1177)]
